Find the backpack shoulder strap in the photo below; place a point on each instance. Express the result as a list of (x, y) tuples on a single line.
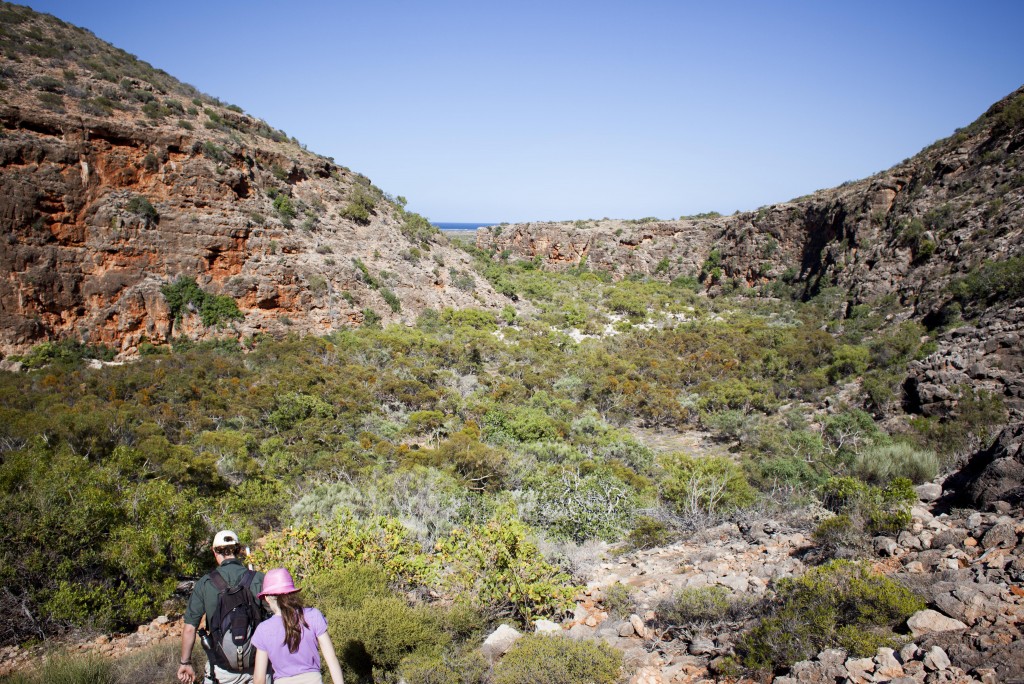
[(247, 577), (218, 581)]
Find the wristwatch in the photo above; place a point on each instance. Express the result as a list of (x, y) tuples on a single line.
[(184, 662)]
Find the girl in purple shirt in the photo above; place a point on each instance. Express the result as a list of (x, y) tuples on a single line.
[(288, 640)]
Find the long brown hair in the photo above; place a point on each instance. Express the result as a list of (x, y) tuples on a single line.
[(291, 606)]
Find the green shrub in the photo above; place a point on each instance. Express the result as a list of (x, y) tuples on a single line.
[(510, 425), (450, 667), (373, 638), (67, 352), (990, 282), (284, 207), (391, 299), (70, 669), (847, 360), (214, 310), (360, 206), (595, 505), (882, 463), (831, 606), (877, 510), (498, 567), (648, 533), (544, 659), (139, 206), (618, 600), (146, 532), (838, 536), (703, 486), (417, 228), (704, 606)]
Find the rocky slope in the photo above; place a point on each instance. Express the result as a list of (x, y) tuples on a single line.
[(968, 566), (116, 179), (898, 242)]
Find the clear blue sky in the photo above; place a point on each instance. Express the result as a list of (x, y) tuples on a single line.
[(487, 111)]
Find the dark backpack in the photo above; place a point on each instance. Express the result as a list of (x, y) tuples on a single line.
[(233, 623)]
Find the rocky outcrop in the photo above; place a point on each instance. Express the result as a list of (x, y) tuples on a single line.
[(116, 182), (993, 477)]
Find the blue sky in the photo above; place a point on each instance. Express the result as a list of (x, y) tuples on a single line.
[(486, 111)]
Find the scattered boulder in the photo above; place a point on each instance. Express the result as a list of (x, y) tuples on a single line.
[(929, 492), (1001, 535), (499, 642), (936, 659), (546, 627), (929, 621)]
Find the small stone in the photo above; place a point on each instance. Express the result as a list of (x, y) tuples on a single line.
[(936, 659), (580, 632), (987, 675), (915, 567), (499, 642), (626, 629), (930, 621), (887, 666), (1001, 535), (859, 669), (591, 621), (885, 546), (970, 542), (701, 646), (929, 492), (638, 626), (546, 627)]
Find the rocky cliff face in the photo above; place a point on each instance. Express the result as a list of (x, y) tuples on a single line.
[(897, 242), (116, 180)]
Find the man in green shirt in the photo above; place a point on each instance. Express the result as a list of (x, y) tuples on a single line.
[(203, 603)]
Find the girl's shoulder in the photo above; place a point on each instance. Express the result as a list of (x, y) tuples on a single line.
[(315, 619)]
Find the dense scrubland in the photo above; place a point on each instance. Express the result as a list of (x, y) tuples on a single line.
[(470, 462)]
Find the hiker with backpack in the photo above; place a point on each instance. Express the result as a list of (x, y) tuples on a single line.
[(228, 596), (288, 641)]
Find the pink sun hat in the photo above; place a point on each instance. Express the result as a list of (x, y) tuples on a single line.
[(278, 581)]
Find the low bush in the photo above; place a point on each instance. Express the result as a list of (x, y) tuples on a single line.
[(837, 605), (373, 638), (578, 507), (883, 463), (141, 207), (65, 352), (990, 282), (467, 666), (648, 533), (704, 606), (544, 659), (876, 510), (360, 206), (839, 537), (214, 310), (704, 486), (67, 669), (285, 208), (618, 600)]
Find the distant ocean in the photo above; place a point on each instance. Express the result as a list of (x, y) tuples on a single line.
[(462, 229)]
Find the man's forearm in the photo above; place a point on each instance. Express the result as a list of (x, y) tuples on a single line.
[(188, 640)]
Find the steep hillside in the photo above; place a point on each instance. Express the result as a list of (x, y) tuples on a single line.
[(937, 238), (117, 180)]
